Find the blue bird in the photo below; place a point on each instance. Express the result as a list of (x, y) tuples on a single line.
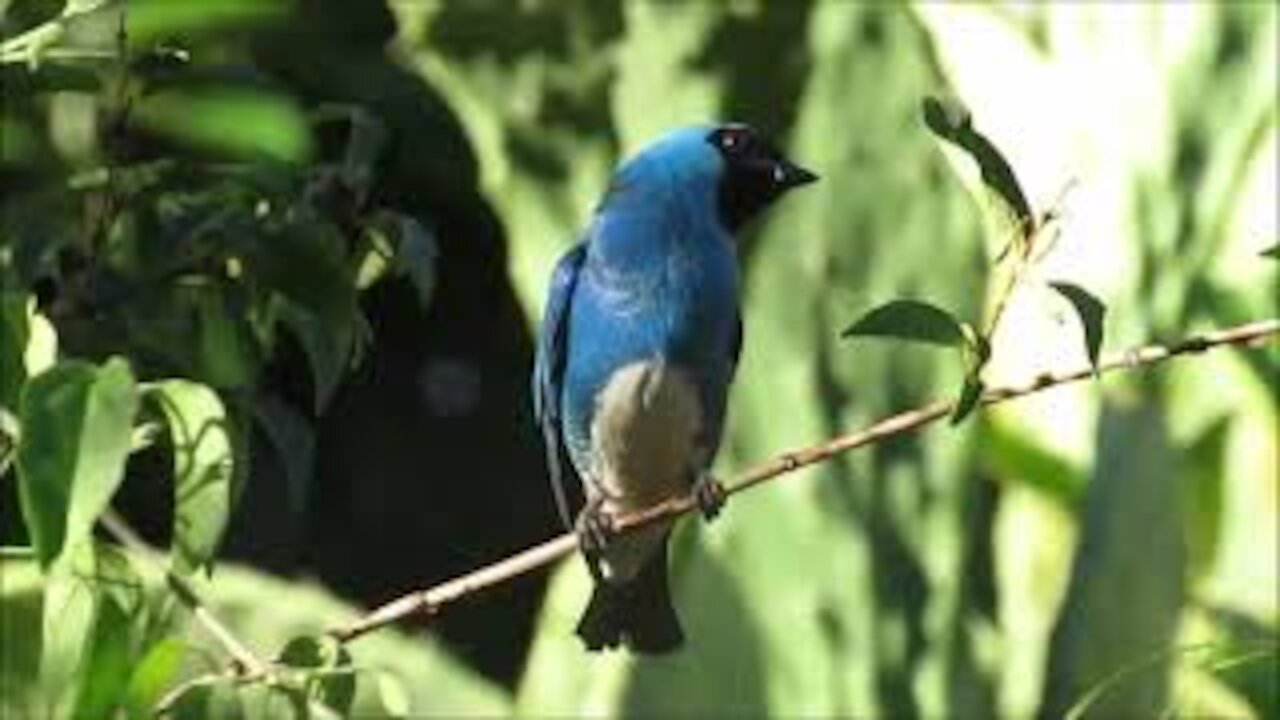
[(639, 343)]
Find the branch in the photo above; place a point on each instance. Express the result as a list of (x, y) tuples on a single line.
[(248, 664), (431, 601), (246, 667)]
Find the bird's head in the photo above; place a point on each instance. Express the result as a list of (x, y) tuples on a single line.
[(743, 170), (754, 173)]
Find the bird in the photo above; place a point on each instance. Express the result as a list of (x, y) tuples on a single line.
[(638, 346)]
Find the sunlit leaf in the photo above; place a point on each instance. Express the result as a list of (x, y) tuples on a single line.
[(70, 610), (909, 320), (21, 610), (414, 248), (28, 345), (150, 21), (1091, 312), (203, 467), (153, 676), (236, 122), (106, 670), (76, 424)]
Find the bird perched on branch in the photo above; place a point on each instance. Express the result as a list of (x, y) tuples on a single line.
[(639, 344)]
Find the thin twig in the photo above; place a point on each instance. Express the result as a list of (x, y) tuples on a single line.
[(249, 663), (432, 600), (246, 667)]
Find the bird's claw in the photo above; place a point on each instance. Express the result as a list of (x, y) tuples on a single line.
[(710, 495), (594, 529)]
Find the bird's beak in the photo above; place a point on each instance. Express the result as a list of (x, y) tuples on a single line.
[(789, 175)]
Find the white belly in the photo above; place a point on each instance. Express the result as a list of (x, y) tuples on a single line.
[(646, 442)]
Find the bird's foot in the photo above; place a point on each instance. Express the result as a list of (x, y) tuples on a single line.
[(710, 495), (595, 529)]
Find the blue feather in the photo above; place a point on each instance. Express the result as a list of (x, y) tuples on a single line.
[(638, 347)]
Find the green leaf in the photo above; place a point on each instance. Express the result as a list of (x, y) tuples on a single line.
[(1272, 252), (328, 349), (21, 613), (105, 673), (70, 610), (28, 345), (414, 248), (153, 676), (336, 686), (953, 122), (235, 122), (1091, 312), (76, 425), (203, 467), (225, 350), (970, 394), (14, 331), (152, 21), (910, 320), (306, 263), (219, 700)]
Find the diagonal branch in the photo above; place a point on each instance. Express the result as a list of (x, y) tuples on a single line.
[(433, 600), (246, 661)]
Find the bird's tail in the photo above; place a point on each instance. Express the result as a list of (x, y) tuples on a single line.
[(638, 613)]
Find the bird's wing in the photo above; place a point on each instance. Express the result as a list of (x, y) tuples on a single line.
[(548, 372)]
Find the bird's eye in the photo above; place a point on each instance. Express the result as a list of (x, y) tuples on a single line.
[(735, 141)]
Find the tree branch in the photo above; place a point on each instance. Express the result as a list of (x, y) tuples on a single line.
[(432, 600), (249, 664)]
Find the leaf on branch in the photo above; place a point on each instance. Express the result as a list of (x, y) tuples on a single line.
[(951, 121), (335, 683), (970, 394), (203, 468), (77, 419), (306, 263), (910, 320), (413, 250), (1091, 312), (154, 675), (108, 663)]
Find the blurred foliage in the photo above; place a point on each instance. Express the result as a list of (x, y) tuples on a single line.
[(176, 219)]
